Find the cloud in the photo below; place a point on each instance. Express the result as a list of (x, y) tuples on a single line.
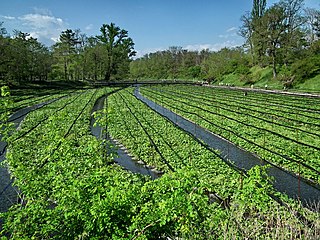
[(7, 17), (232, 29), (199, 47), (230, 33), (54, 39), (89, 27), (42, 11), (212, 47), (141, 53), (41, 25), (40, 22), (46, 28), (227, 35)]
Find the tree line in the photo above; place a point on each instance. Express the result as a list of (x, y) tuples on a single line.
[(284, 37), (75, 56), (279, 35)]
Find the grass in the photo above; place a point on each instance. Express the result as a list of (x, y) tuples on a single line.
[(260, 77), (232, 78), (312, 84)]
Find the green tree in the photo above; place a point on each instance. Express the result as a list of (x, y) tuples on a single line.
[(294, 37), (119, 49), (224, 62), (23, 59), (258, 9), (274, 35), (251, 30), (258, 38), (274, 24), (64, 52), (95, 59), (3, 48), (313, 22), (3, 30), (40, 60), (246, 31)]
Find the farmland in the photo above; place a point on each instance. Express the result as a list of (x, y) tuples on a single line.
[(70, 187), (282, 130)]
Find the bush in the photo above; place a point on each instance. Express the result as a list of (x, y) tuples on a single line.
[(306, 68), (243, 69), (247, 79)]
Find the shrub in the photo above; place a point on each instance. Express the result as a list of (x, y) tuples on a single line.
[(306, 68)]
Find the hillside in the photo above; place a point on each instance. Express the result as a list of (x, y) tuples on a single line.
[(261, 77)]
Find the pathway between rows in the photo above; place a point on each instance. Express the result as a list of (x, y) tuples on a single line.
[(283, 181)]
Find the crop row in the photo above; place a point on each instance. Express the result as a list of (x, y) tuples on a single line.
[(157, 142), (244, 114), (297, 151), (19, 102), (297, 107), (51, 164), (258, 109), (308, 136), (40, 117), (72, 191), (35, 156), (259, 102), (309, 104)]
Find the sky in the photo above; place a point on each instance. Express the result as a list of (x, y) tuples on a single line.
[(152, 24)]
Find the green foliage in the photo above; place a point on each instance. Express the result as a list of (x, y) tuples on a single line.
[(119, 50), (64, 53), (258, 9), (23, 59), (306, 68), (177, 63), (252, 196), (194, 72), (74, 57), (254, 128), (172, 206), (5, 112), (274, 35), (78, 194)]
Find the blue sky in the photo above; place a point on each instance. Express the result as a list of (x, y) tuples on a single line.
[(153, 24)]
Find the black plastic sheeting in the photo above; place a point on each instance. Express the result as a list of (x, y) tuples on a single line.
[(122, 157), (283, 181)]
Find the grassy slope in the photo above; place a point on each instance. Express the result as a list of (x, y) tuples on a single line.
[(260, 77), (312, 84)]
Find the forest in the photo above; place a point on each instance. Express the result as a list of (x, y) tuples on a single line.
[(281, 49), (74, 57)]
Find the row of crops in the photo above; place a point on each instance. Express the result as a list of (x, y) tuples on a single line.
[(283, 130), (71, 188), (24, 98)]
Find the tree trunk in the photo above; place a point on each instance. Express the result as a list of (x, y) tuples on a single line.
[(109, 70), (107, 75), (65, 70), (274, 65)]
